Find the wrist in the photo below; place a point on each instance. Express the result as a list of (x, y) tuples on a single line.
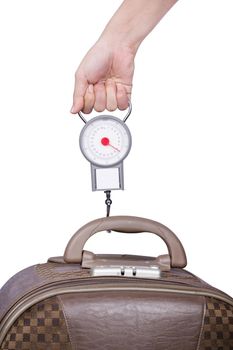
[(115, 41)]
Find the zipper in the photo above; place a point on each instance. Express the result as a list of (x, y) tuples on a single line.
[(59, 288)]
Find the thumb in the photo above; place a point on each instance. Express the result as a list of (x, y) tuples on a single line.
[(80, 87)]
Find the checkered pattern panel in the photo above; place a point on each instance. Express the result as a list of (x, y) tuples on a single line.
[(218, 326), (42, 327)]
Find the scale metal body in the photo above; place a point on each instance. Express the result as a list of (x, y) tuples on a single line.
[(105, 141)]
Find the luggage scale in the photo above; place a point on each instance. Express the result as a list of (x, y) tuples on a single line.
[(105, 141)]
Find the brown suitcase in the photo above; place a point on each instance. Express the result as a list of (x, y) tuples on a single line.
[(109, 302)]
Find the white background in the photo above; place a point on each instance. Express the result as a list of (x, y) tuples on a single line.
[(179, 171)]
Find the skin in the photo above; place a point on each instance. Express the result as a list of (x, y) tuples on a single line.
[(104, 78)]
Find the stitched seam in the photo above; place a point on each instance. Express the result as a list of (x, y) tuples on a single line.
[(66, 321), (202, 324)]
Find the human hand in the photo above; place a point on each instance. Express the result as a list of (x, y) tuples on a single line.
[(104, 79)]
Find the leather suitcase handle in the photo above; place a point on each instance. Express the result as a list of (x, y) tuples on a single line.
[(127, 224)]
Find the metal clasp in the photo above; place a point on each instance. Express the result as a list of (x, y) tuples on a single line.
[(152, 272)]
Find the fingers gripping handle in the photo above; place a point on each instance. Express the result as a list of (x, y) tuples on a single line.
[(124, 120), (127, 224)]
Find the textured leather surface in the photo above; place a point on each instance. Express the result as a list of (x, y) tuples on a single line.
[(12, 290), (36, 276), (133, 321)]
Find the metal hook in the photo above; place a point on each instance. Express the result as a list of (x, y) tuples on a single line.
[(128, 113), (108, 201), (82, 117)]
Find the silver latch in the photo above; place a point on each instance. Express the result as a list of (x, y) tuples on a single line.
[(152, 272)]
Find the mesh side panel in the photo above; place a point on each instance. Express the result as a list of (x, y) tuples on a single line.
[(218, 326), (54, 271), (42, 327)]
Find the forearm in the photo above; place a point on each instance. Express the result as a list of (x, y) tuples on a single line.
[(134, 20)]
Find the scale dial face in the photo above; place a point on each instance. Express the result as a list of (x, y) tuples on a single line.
[(105, 141)]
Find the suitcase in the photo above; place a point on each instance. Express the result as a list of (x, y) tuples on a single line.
[(110, 302)]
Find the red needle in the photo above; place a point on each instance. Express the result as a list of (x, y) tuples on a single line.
[(106, 142), (114, 147)]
